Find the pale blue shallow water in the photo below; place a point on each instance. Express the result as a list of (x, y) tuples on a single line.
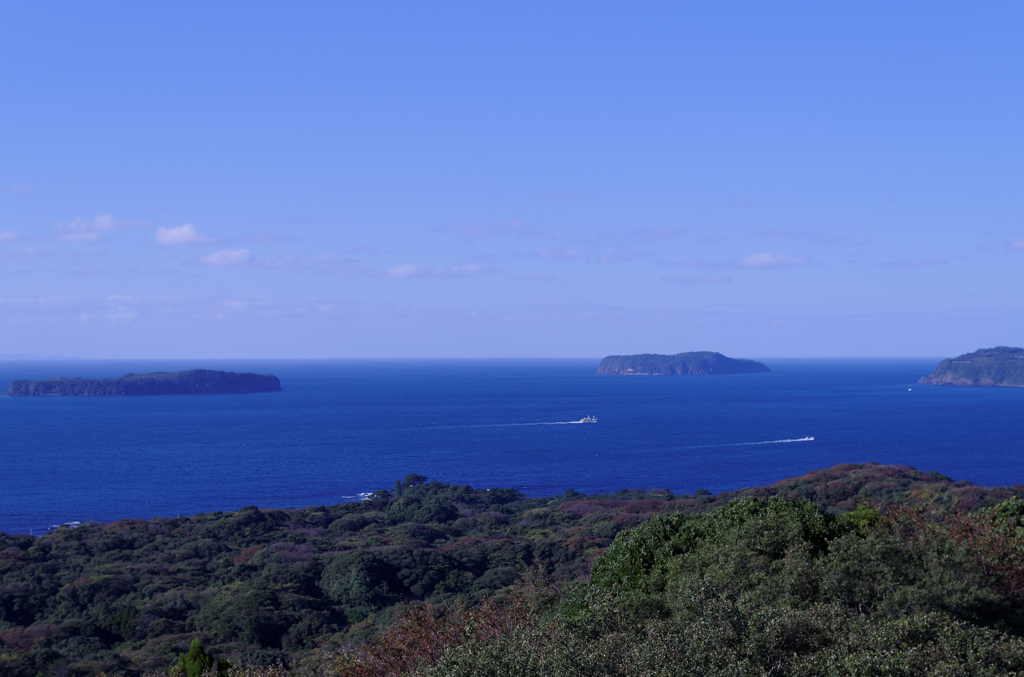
[(341, 427)]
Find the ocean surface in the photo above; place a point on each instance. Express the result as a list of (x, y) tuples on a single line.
[(345, 427)]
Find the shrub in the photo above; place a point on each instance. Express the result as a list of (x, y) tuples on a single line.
[(196, 663)]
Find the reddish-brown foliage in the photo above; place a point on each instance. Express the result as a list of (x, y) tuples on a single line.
[(246, 555), (422, 634), (13, 558), (21, 639), (125, 524), (644, 506), (997, 546), (995, 543), (625, 520), (583, 507)]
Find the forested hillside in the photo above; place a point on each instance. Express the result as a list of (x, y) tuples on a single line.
[(258, 586)]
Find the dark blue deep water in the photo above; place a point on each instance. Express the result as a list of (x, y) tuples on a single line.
[(342, 427)]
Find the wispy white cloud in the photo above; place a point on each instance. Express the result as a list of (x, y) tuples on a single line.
[(543, 277), (478, 230), (1018, 246), (624, 255), (469, 269), (769, 260), (562, 194), (319, 263), (812, 236), (912, 263), (560, 254), (120, 309), (57, 309), (411, 270), (267, 238), (24, 254), (573, 246), (324, 262), (114, 316), (9, 236), (186, 234), (86, 230), (15, 305), (228, 257), (654, 234), (786, 233), (698, 279), (762, 260), (686, 262), (369, 251), (16, 189), (405, 270), (467, 229)]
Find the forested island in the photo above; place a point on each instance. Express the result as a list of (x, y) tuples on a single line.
[(192, 382), (695, 363), (855, 569), (1000, 366)]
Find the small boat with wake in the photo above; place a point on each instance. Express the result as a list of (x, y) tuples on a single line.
[(587, 419)]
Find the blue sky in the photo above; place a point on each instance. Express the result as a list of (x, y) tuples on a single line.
[(510, 179)]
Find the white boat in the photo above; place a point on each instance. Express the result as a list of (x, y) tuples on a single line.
[(587, 419)]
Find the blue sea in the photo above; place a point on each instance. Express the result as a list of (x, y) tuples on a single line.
[(342, 428)]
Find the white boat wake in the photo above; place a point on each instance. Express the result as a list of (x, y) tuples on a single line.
[(748, 444), (799, 439), (512, 425)]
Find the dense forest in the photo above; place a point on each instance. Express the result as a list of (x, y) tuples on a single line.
[(856, 569)]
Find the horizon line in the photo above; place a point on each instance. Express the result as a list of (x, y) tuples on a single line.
[(58, 358)]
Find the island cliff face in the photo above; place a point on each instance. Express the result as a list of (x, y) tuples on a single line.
[(193, 382), (697, 363), (1001, 366)]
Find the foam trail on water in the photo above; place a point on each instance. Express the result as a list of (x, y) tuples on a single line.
[(748, 444), (505, 425), (800, 439), (548, 423)]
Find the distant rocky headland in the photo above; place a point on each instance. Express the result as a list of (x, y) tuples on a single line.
[(695, 363), (192, 382), (1001, 366)]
